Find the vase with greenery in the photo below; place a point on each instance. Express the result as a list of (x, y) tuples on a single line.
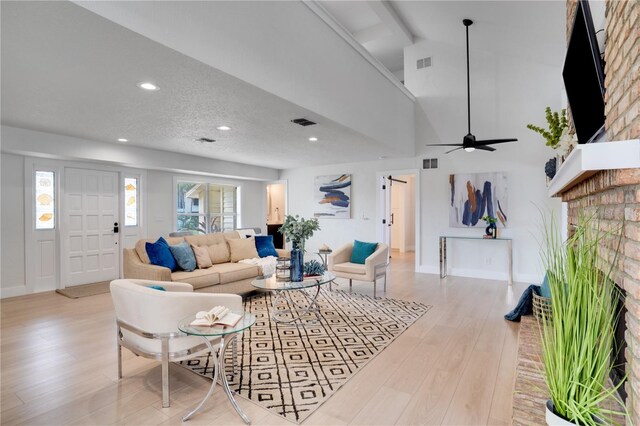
[(578, 334), (557, 122), (298, 230), (491, 229)]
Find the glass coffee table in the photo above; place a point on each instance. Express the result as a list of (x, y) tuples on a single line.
[(309, 289), (207, 333)]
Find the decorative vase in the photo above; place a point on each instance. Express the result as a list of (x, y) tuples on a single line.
[(491, 230), (554, 419), (297, 263)]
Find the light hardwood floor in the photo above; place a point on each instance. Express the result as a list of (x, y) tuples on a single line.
[(454, 366)]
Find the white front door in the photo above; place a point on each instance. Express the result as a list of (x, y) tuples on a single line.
[(90, 211)]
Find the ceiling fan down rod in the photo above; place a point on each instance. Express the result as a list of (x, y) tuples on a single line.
[(467, 23)]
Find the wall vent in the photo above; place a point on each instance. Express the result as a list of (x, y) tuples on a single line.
[(430, 163), (303, 122), (208, 140), (424, 62)]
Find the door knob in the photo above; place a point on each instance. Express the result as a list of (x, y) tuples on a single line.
[(116, 229)]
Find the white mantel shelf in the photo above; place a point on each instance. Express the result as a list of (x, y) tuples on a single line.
[(586, 160)]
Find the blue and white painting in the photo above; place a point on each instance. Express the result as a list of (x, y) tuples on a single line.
[(332, 196), (474, 195)]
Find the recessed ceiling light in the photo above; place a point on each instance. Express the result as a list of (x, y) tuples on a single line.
[(148, 86), (123, 140), (313, 139), (382, 157), (223, 128), (470, 149)]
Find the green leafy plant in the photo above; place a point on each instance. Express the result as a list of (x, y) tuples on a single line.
[(298, 230), (557, 123), (577, 336), (313, 267), (489, 219)]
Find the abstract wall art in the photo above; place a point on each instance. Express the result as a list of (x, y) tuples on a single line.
[(474, 195), (332, 196)]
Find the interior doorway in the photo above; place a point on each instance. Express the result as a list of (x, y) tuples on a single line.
[(399, 207), (276, 209)]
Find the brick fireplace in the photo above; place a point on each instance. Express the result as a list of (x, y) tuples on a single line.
[(614, 195)]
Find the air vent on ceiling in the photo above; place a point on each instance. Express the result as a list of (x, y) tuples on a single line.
[(208, 140), (303, 122), (430, 163), (424, 63)]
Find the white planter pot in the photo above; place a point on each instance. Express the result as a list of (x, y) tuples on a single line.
[(553, 419)]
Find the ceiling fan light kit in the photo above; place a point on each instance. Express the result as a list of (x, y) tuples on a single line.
[(469, 142)]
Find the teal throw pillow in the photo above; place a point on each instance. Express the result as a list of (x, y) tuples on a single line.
[(157, 287), (184, 256), (361, 251), (160, 254), (545, 290)]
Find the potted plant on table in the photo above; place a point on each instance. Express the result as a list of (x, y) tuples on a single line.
[(578, 333), (491, 230), (557, 136), (298, 230)]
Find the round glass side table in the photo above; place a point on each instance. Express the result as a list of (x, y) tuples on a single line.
[(224, 333)]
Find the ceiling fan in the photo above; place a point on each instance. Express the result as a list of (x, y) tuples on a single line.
[(469, 142)]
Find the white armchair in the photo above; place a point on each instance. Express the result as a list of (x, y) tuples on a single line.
[(374, 268), (147, 321)]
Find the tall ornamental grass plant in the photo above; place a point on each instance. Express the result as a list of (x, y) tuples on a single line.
[(577, 338)]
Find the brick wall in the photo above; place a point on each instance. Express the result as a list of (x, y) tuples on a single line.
[(614, 195)]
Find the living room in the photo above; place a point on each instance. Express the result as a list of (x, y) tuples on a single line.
[(156, 95)]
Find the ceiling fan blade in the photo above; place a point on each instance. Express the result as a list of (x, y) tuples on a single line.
[(455, 149), (494, 141), (484, 148), (444, 144)]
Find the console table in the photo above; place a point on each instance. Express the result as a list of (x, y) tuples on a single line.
[(443, 252)]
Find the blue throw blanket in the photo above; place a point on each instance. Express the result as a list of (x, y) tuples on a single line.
[(525, 304)]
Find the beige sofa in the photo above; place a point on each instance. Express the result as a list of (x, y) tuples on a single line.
[(223, 277)]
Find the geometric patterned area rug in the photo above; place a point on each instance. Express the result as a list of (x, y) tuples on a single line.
[(291, 369)]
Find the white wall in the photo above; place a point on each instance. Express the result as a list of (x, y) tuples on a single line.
[(507, 93), (12, 227)]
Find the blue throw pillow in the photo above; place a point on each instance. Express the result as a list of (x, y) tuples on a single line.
[(184, 256), (361, 251), (265, 247), (157, 287), (160, 254)]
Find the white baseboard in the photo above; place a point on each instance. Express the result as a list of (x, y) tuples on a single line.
[(19, 290), (427, 269)]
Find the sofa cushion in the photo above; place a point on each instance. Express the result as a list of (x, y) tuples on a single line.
[(350, 268), (141, 249), (242, 249), (184, 256), (361, 251), (265, 247), (219, 253), (204, 240), (160, 254), (230, 272), (198, 278), (202, 257)]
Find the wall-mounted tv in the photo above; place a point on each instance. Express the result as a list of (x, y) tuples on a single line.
[(583, 76)]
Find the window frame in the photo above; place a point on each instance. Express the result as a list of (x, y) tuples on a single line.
[(205, 205)]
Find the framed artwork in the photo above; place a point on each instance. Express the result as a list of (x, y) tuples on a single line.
[(474, 195), (332, 196)]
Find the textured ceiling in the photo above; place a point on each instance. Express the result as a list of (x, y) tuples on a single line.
[(66, 70)]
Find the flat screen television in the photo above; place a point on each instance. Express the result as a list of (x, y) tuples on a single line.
[(583, 76)]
